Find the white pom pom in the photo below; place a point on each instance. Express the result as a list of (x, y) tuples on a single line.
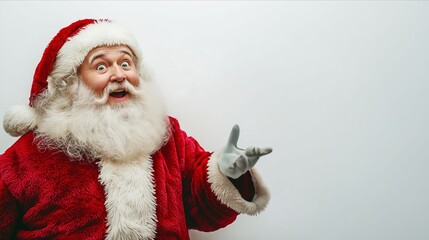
[(19, 120)]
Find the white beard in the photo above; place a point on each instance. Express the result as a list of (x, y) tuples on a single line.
[(87, 127)]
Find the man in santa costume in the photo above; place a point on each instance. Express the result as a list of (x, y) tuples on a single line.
[(99, 159)]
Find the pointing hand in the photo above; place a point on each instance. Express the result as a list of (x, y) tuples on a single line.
[(235, 161)]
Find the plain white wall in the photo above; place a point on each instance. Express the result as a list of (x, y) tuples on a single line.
[(338, 89)]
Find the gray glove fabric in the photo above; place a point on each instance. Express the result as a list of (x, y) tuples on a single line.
[(234, 161)]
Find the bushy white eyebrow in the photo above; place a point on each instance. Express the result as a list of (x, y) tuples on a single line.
[(102, 54)]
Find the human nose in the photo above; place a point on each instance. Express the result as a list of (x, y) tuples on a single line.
[(117, 74)]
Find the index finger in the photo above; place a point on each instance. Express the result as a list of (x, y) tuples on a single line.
[(256, 151)]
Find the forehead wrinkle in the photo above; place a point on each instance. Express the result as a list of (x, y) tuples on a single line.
[(101, 54)]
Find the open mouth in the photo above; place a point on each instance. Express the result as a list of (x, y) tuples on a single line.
[(118, 94)]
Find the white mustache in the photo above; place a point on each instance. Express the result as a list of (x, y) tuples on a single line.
[(115, 86)]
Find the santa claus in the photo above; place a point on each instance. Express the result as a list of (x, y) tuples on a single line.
[(98, 158)]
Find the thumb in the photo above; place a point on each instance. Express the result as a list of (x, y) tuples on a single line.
[(233, 136)]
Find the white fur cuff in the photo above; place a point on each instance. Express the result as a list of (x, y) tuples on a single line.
[(230, 196)]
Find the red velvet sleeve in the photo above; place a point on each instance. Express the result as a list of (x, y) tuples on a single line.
[(203, 209)]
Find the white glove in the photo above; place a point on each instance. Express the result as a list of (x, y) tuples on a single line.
[(234, 161)]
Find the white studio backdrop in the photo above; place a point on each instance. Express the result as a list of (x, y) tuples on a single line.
[(338, 89)]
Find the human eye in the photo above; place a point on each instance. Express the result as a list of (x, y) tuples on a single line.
[(125, 64), (101, 67)]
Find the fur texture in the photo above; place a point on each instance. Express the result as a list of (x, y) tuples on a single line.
[(229, 195), (100, 33), (83, 128), (142, 178), (130, 202), (60, 62), (19, 119), (46, 64), (44, 195)]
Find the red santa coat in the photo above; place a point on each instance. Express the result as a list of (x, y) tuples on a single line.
[(45, 195)]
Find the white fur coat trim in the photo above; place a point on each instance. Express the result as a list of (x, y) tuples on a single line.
[(130, 199), (230, 196)]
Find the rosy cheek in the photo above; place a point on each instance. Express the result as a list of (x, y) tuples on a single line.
[(97, 83), (134, 79)]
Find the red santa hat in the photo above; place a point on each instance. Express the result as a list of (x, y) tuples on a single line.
[(63, 55)]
